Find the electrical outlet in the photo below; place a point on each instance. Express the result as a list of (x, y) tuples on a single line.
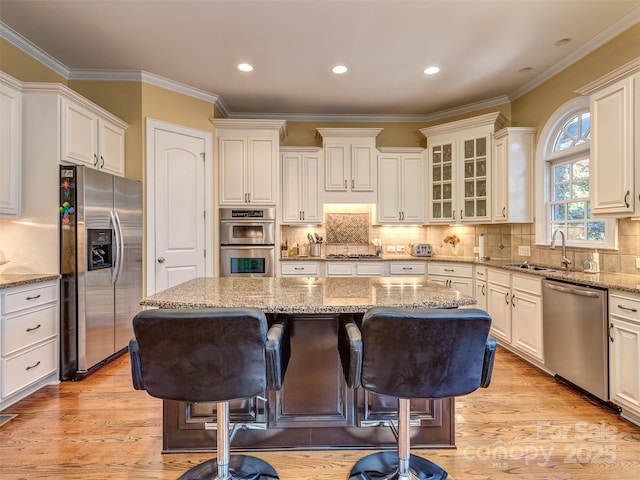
[(637, 262), (524, 250), (399, 248), (391, 248)]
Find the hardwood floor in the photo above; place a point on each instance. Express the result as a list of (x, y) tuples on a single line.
[(525, 426)]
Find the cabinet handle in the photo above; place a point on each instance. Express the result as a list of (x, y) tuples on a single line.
[(513, 300), (609, 332), (32, 366), (102, 160), (249, 197), (407, 268), (626, 198), (33, 328), (402, 215), (483, 291), (506, 298), (461, 217), (628, 309), (303, 214), (454, 214), (33, 298), (298, 268), (95, 164), (449, 270), (504, 211), (160, 259), (345, 184)]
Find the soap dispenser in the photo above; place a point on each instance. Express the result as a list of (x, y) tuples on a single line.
[(589, 265), (595, 259)]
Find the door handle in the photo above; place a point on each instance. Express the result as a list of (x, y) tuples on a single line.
[(504, 211), (160, 259), (483, 290)]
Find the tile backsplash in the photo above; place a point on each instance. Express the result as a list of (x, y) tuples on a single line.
[(501, 241)]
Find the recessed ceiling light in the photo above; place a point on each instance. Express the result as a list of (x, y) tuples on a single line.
[(339, 69), (562, 41), (245, 67), (431, 70), (525, 69)]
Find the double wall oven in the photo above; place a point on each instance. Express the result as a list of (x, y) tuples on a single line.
[(247, 242)]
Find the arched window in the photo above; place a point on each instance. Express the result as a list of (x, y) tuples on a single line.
[(563, 176)]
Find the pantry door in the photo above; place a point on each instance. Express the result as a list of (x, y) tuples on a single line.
[(179, 185)]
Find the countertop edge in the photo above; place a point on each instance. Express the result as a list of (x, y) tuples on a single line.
[(10, 280)]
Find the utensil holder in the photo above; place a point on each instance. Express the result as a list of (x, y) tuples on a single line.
[(314, 249)]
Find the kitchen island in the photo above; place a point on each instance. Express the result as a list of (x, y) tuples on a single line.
[(314, 409)]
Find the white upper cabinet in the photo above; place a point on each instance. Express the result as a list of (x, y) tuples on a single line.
[(10, 146), (91, 137), (301, 175), (459, 157), (247, 157), (615, 142), (512, 183), (350, 164), (400, 186)]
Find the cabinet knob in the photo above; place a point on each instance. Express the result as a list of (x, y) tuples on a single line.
[(160, 259)]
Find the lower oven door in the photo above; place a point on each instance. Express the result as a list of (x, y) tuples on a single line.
[(247, 261)]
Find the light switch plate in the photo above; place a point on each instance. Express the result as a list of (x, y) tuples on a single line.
[(391, 248), (524, 250)]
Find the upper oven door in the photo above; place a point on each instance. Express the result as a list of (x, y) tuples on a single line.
[(234, 232)]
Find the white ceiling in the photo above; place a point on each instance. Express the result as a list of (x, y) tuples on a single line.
[(479, 45)]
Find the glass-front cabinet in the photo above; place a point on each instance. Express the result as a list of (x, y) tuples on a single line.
[(459, 156)]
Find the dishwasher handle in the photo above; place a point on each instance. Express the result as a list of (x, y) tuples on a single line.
[(573, 291)]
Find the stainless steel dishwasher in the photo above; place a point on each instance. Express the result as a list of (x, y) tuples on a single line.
[(575, 335)]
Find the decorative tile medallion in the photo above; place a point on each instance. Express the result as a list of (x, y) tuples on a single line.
[(348, 228)]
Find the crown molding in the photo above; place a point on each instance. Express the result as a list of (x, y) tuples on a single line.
[(596, 42), (254, 124), (401, 150), (14, 38), (495, 120), (349, 132), (629, 68)]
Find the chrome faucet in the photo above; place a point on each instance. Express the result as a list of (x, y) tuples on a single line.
[(565, 261)]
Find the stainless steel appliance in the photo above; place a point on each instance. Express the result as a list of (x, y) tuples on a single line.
[(101, 267), (247, 242), (575, 335), (421, 250)]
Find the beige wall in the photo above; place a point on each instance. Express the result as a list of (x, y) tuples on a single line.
[(24, 67)]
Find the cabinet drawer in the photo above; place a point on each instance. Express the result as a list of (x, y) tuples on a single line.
[(301, 269), (20, 331), (499, 277), (450, 270), (369, 269), (527, 283), (28, 297), (22, 370), (340, 269), (624, 306), (481, 273), (408, 268)]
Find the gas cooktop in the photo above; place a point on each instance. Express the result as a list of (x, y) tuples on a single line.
[(353, 255)]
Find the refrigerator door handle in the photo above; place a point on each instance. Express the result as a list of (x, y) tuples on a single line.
[(120, 246), (117, 244)]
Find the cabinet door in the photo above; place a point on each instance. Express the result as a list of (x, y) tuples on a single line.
[(441, 186), (475, 181), (362, 168), (611, 163), (624, 361), (499, 308), (389, 209), (79, 142), (10, 150), (462, 285), (527, 323), (500, 176), (291, 187), (310, 188), (261, 171), (336, 158), (111, 138), (412, 189), (232, 168), (481, 295)]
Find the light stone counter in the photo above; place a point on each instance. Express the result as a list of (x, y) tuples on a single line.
[(309, 295), (17, 279)]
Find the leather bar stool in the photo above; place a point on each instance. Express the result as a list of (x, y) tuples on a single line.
[(211, 355), (409, 354)]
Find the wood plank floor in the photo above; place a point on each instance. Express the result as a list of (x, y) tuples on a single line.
[(525, 426)]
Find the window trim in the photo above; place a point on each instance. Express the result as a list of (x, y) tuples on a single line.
[(544, 158)]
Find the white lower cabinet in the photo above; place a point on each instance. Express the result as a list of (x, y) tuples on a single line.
[(480, 287), (455, 276), (410, 269), (355, 269), (300, 269), (29, 340), (624, 353), (514, 303)]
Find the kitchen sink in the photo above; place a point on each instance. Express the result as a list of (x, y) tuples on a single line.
[(528, 266)]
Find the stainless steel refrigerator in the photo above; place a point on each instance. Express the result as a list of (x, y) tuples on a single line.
[(101, 267)]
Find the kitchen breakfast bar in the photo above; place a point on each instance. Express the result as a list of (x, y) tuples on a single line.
[(315, 409)]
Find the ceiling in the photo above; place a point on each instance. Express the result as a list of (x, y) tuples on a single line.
[(481, 47)]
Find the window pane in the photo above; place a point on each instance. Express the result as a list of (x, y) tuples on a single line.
[(437, 194), (585, 124), (558, 212), (481, 147), (576, 232), (562, 141), (437, 175), (436, 210), (481, 168), (481, 188), (561, 173), (581, 169), (595, 231), (572, 127), (446, 153), (561, 192), (468, 189), (468, 169), (468, 149), (446, 172), (580, 189), (575, 211)]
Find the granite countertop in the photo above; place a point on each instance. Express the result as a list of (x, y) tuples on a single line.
[(9, 280), (309, 295), (614, 281)]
